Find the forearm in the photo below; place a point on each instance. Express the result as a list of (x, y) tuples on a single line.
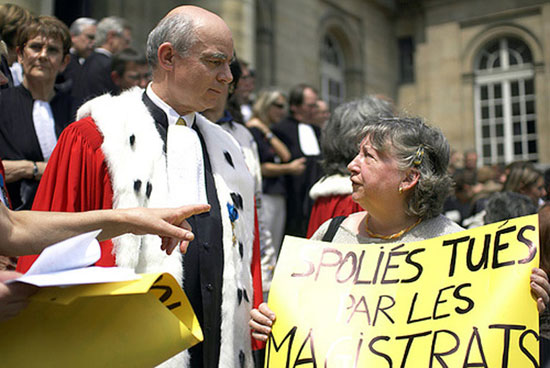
[(270, 169), (280, 149), (32, 231), (23, 169)]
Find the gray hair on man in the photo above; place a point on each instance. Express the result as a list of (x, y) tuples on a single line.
[(178, 29), (78, 26), (106, 25)]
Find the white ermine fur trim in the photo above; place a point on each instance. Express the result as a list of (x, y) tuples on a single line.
[(331, 185), (131, 161), (237, 278)]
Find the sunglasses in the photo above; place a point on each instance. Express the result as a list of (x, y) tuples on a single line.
[(278, 105)]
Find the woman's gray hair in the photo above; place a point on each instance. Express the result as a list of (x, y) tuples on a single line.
[(178, 29), (106, 25), (506, 205), (341, 134), (415, 144)]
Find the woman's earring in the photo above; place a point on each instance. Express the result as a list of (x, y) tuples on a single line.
[(400, 190)]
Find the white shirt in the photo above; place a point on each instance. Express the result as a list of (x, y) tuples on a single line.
[(44, 125), (184, 156)]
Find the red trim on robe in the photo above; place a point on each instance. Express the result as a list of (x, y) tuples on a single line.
[(76, 180), (255, 269), (328, 207)]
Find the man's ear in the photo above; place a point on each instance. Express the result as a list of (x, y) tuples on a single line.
[(410, 180), (166, 55)]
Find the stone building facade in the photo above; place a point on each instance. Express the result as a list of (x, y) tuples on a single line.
[(477, 69)]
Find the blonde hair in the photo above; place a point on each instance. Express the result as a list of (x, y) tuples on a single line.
[(263, 103)]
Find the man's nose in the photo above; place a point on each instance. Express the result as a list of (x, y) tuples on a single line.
[(225, 76)]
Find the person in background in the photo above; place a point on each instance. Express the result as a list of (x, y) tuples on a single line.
[(240, 103), (276, 162), (130, 69), (322, 115), (332, 193), (82, 32), (302, 139), (113, 34), (456, 162), (524, 178), (152, 148), (547, 183), (34, 114), (13, 19), (221, 115), (400, 179)]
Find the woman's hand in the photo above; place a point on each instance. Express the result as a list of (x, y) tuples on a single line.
[(540, 288), (261, 322), (297, 166)]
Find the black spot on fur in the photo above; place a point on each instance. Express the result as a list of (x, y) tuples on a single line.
[(245, 294), (132, 140), (149, 189), (228, 158), (241, 249), (137, 185), (242, 358), (237, 200), (240, 295)]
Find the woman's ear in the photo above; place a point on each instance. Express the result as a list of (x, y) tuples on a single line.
[(409, 181), (166, 55)]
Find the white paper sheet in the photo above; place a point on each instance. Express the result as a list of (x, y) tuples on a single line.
[(66, 263)]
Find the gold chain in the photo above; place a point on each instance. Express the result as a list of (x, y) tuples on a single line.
[(388, 237)]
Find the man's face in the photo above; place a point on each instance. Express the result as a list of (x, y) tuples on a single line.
[(134, 75), (470, 161), (122, 41), (84, 42), (305, 112), (201, 76)]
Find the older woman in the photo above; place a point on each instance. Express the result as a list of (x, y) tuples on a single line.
[(332, 193), (400, 178), (33, 113)]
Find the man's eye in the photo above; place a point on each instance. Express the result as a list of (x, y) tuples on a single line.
[(215, 62)]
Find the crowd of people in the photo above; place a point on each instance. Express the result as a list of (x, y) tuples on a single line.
[(94, 126)]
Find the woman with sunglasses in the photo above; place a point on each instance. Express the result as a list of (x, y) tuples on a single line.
[(274, 157)]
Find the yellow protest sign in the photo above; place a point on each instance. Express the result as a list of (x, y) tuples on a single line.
[(461, 300), (138, 323)]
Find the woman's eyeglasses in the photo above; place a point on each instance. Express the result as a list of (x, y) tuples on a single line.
[(278, 105)]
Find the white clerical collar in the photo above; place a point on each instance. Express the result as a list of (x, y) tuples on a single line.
[(103, 51), (171, 114)]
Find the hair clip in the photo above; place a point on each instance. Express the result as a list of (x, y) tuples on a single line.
[(419, 155)]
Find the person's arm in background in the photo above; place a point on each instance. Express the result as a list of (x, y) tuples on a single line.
[(23, 169), (29, 232)]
